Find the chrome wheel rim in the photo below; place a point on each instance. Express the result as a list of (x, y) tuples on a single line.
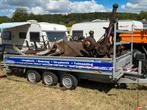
[(67, 82), (48, 80), (32, 77)]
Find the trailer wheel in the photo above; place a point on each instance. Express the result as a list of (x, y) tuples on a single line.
[(49, 79), (69, 81), (33, 76)]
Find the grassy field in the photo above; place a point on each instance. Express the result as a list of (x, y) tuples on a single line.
[(17, 94)]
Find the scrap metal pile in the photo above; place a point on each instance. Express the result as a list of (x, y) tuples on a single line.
[(86, 47)]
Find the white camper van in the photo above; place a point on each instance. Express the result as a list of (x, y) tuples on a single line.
[(24, 34), (82, 29)]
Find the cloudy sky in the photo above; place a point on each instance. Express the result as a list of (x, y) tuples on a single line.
[(7, 7)]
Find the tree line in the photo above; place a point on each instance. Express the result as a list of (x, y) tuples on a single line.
[(21, 15)]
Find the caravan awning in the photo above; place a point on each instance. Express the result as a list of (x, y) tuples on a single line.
[(12, 25)]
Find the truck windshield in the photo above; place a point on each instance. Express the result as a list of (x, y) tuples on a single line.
[(55, 36)]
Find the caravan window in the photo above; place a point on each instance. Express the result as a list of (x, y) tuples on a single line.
[(55, 36), (7, 35), (22, 35), (34, 36), (77, 34)]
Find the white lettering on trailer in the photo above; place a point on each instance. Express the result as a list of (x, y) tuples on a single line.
[(83, 64), (25, 60)]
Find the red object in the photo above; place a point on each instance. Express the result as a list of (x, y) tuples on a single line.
[(2, 76), (138, 108)]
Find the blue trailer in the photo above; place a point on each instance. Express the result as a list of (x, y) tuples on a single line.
[(69, 70)]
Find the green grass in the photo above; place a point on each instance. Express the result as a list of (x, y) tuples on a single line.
[(17, 94)]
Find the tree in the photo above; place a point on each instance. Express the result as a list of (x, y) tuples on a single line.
[(4, 19), (20, 15), (142, 15)]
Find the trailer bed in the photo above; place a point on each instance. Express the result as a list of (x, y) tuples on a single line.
[(101, 66)]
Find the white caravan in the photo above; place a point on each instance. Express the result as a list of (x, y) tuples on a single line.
[(24, 34), (82, 29)]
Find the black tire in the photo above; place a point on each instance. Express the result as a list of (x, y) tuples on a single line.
[(69, 81), (122, 85), (33, 76), (49, 79)]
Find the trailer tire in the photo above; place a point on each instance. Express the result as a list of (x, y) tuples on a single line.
[(33, 76), (69, 81), (49, 79)]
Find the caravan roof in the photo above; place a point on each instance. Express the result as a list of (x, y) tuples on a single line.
[(43, 25), (52, 27), (123, 24), (12, 25), (97, 26)]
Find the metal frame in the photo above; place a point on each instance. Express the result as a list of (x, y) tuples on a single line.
[(114, 74), (123, 61), (132, 76), (2, 34)]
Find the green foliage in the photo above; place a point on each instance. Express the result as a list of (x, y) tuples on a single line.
[(21, 14), (142, 15), (4, 19)]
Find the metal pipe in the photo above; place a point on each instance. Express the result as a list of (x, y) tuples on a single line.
[(114, 51)]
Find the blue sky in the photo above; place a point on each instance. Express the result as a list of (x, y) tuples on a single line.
[(109, 3), (7, 7)]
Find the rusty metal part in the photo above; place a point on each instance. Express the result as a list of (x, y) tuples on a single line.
[(2, 76), (104, 45), (89, 43), (69, 48)]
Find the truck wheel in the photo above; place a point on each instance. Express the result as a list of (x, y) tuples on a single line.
[(69, 81), (49, 79), (33, 76)]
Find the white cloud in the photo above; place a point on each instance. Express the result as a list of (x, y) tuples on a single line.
[(135, 6), (37, 10), (56, 6), (22, 2), (87, 6)]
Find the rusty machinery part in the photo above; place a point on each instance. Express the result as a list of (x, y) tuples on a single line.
[(103, 46), (68, 48), (89, 43), (102, 50), (91, 33)]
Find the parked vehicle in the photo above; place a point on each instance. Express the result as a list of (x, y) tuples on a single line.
[(83, 29), (24, 34), (69, 70)]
